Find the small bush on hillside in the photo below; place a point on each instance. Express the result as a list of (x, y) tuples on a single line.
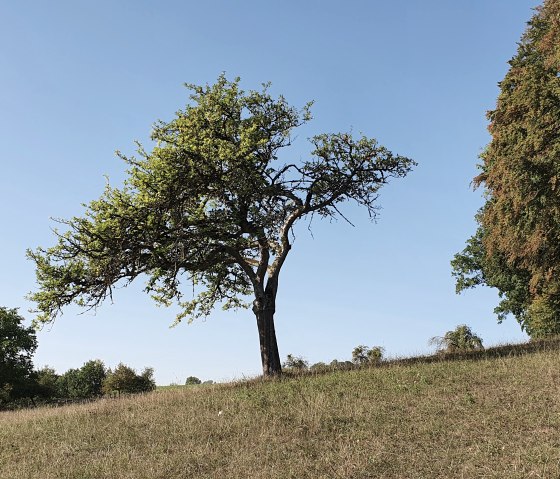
[(125, 380), (362, 355), (295, 363), (462, 338), (192, 380)]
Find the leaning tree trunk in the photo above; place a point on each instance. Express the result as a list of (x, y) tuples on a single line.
[(264, 308)]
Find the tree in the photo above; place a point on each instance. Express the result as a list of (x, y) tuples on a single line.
[(125, 380), (375, 354), (48, 382), (17, 346), (364, 355), (516, 248), (212, 205), (192, 381), (295, 362), (85, 382), (460, 339), (92, 375)]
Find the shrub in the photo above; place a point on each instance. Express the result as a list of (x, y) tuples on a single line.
[(295, 363), (92, 375), (83, 383), (125, 380), (192, 380), (375, 355), (462, 338), (362, 355), (47, 379)]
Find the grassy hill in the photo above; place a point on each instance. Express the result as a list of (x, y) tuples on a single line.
[(492, 415)]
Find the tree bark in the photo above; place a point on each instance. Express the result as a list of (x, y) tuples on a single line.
[(264, 309)]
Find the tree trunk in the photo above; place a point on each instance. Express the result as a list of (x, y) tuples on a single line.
[(264, 311)]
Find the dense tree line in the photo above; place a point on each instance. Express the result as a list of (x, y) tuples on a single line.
[(22, 385)]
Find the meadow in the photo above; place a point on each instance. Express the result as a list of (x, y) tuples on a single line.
[(492, 414)]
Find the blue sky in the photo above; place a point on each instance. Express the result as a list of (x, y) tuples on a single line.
[(80, 80)]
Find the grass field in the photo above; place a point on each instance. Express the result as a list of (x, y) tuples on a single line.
[(491, 417)]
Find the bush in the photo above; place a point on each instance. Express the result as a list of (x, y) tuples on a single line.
[(192, 380), (125, 380), (462, 338), (83, 383), (295, 363), (92, 375), (362, 355), (47, 379)]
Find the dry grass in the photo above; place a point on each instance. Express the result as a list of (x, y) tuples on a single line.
[(490, 418)]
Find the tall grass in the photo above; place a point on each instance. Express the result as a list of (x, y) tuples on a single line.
[(496, 417)]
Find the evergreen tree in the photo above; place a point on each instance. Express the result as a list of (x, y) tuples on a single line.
[(516, 248)]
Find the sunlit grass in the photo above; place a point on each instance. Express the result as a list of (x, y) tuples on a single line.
[(489, 418)]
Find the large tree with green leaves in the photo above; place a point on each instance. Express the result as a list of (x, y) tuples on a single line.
[(17, 346), (211, 205), (516, 248)]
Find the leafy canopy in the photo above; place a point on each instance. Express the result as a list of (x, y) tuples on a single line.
[(17, 346), (516, 248), (124, 379), (365, 355), (462, 338), (211, 205)]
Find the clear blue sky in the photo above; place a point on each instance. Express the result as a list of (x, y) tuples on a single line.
[(82, 79)]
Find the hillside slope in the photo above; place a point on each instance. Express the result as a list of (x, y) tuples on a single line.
[(489, 418)]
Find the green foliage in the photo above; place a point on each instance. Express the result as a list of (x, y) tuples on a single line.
[(297, 363), (211, 205), (516, 247), (125, 380), (192, 380), (362, 355), (48, 382), (83, 383), (68, 385), (461, 338), (17, 346)]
